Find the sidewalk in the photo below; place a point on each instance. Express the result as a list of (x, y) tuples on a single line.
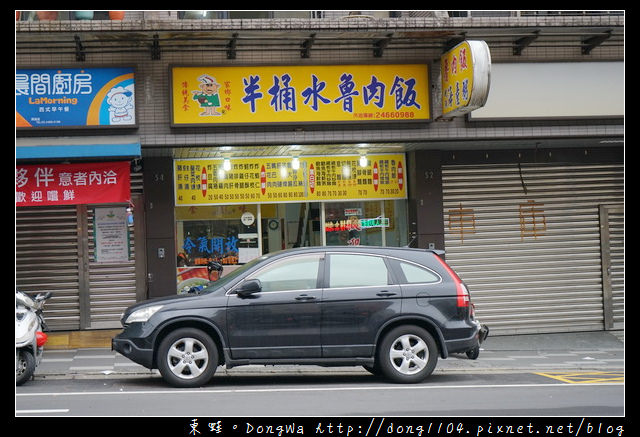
[(583, 351)]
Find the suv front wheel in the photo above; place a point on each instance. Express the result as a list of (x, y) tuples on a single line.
[(407, 354), (187, 357)]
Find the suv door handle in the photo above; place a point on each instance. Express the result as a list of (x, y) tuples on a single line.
[(386, 293), (305, 297)]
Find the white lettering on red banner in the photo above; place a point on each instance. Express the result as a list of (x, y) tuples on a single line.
[(72, 184)]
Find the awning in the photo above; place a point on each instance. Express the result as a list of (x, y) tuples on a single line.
[(78, 147)]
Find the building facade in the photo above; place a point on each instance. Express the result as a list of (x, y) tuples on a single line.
[(246, 132)]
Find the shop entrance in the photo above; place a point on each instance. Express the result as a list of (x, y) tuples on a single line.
[(288, 225)]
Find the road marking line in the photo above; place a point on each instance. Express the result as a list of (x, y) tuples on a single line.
[(91, 368), (294, 390), (586, 377), (65, 410)]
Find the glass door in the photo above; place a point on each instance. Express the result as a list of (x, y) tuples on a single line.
[(287, 225)]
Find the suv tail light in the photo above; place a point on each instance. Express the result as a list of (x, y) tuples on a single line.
[(462, 293)]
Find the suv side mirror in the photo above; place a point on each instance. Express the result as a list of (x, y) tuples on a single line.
[(249, 287)]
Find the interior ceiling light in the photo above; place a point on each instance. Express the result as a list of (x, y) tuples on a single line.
[(363, 160)]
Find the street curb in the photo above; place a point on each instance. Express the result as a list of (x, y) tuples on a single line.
[(581, 351)]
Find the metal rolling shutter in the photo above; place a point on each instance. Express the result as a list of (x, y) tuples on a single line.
[(531, 259), (53, 246), (113, 286), (47, 260), (616, 229), (612, 244)]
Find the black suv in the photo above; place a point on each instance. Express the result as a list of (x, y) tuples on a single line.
[(391, 310)]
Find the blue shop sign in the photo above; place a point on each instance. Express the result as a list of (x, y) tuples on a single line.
[(75, 97)]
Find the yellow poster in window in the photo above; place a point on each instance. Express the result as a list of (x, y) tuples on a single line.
[(299, 94), (279, 179)]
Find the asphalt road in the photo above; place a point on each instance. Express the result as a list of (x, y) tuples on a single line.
[(484, 394)]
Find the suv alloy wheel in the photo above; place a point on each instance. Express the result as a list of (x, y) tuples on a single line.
[(187, 357), (407, 354)]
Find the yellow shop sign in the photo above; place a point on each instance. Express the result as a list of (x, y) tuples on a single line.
[(277, 179), (299, 94), (465, 77)]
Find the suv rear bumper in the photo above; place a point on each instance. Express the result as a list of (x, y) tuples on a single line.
[(483, 333), (465, 344)]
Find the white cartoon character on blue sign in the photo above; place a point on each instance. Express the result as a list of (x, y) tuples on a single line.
[(120, 100)]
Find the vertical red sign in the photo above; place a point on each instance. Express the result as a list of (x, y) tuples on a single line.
[(376, 176), (312, 178), (203, 181), (263, 180)]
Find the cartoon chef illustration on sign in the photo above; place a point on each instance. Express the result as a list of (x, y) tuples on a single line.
[(120, 100), (208, 95)]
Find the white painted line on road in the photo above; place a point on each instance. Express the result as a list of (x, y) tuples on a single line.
[(91, 368), (298, 390), (98, 357), (66, 410), (560, 354)]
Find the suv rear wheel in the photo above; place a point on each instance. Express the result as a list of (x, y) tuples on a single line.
[(187, 357), (407, 354)]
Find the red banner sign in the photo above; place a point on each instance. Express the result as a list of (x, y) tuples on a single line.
[(72, 184)]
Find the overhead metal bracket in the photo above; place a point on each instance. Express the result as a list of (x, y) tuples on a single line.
[(522, 43), (231, 46), (305, 52), (155, 48), (593, 42), (80, 54), (380, 45)]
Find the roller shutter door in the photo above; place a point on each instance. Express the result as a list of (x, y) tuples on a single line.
[(526, 240), (612, 245), (616, 229), (54, 252), (115, 286), (47, 260), (112, 285)]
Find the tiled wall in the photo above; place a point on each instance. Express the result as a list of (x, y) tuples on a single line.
[(153, 90)]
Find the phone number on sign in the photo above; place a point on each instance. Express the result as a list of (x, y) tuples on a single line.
[(385, 115)]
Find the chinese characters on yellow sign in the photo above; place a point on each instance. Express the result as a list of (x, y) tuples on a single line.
[(465, 76), (275, 180), (299, 94)]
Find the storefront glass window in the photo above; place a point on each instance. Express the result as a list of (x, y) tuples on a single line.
[(352, 223), (366, 223), (232, 235), (227, 235), (396, 234)]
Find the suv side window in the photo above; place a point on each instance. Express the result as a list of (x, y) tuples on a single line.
[(351, 270), (414, 274), (292, 273)]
